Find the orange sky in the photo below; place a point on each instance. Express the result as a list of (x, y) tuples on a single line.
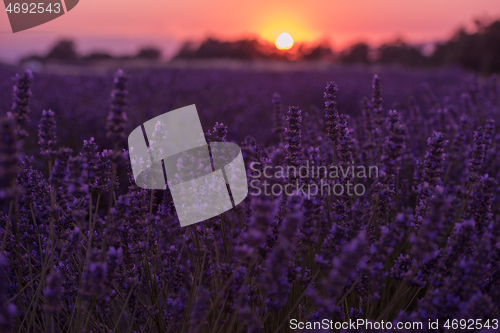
[(124, 25)]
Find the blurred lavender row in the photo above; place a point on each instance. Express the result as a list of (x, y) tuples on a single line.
[(86, 250)]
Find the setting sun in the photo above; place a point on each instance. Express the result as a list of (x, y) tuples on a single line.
[(284, 41)]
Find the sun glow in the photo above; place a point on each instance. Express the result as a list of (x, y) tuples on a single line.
[(284, 41)]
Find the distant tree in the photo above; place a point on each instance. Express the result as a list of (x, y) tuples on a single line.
[(399, 52), (150, 53), (186, 51), (358, 53), (241, 49), (246, 49), (322, 51), (63, 50), (479, 51), (32, 58), (97, 56)]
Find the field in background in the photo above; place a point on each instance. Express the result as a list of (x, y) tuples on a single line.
[(236, 93), (84, 249)]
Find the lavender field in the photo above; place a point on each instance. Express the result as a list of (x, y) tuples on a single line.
[(83, 249)]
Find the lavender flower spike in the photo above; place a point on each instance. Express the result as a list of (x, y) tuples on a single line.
[(293, 136), (47, 134), (331, 113), (8, 159), (278, 127), (21, 100), (117, 117), (377, 101)]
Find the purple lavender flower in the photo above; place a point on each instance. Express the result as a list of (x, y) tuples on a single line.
[(345, 144), (218, 133), (293, 136), (377, 101), (402, 267), (60, 172), (257, 159), (174, 312), (8, 160), (433, 158), (331, 247), (482, 202), (20, 104), (200, 310), (278, 117), (394, 147), (98, 167), (7, 311), (431, 173), (117, 117), (47, 134), (77, 176), (94, 280), (433, 230), (53, 292), (390, 238), (460, 140), (477, 155), (275, 282), (331, 113), (456, 247), (36, 190), (368, 128), (171, 272), (309, 228), (489, 133), (343, 269), (256, 232)]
